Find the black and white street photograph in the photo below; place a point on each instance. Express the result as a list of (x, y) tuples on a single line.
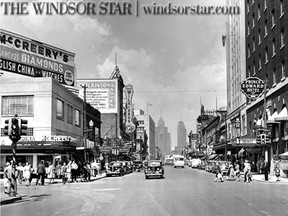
[(144, 107)]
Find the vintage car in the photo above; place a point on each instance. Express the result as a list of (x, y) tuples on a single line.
[(128, 168), (154, 169), (138, 165), (115, 168)]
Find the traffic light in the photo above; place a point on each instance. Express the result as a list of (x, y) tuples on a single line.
[(15, 129), (7, 127), (23, 127), (261, 139), (268, 139)]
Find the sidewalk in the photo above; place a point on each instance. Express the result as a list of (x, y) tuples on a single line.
[(271, 179), (6, 199)]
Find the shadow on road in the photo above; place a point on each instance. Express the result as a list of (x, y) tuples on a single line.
[(38, 197)]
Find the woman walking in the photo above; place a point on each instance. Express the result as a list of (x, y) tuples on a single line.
[(64, 173), (277, 171), (237, 171), (41, 172), (27, 173), (51, 172), (69, 172)]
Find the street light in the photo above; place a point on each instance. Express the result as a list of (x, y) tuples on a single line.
[(91, 128)]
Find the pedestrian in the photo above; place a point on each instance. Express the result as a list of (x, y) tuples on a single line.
[(218, 173), (266, 169), (69, 172), (246, 169), (19, 174), (58, 168), (27, 173), (88, 167), (51, 172), (41, 172), (231, 173), (237, 171), (7, 177), (249, 174), (64, 173), (74, 170), (277, 171)]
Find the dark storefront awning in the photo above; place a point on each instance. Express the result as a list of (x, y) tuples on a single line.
[(41, 147)]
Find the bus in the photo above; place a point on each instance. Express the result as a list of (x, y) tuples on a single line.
[(178, 161), (169, 160)]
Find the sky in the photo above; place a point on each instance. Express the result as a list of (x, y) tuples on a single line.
[(174, 62)]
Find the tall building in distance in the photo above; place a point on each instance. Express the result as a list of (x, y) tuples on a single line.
[(181, 137), (146, 126), (163, 138)]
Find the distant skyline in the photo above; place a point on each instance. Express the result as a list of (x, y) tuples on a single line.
[(171, 60)]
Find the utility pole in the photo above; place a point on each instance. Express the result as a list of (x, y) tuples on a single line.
[(226, 137), (84, 123)]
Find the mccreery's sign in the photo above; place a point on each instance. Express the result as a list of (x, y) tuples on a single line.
[(25, 56), (252, 87)]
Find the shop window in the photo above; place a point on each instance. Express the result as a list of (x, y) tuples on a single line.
[(60, 109), (20, 105), (77, 117), (69, 114)]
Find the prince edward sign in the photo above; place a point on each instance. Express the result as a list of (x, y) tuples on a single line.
[(252, 87)]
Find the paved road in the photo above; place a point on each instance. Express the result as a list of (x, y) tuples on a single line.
[(183, 192)]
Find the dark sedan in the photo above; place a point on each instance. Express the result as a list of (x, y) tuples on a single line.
[(115, 168), (154, 169)]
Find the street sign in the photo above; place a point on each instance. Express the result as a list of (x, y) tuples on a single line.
[(252, 87)]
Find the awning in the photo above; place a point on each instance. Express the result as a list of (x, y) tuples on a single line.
[(259, 122), (284, 154), (283, 115), (212, 157)]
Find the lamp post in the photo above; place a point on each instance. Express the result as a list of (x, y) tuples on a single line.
[(91, 129)]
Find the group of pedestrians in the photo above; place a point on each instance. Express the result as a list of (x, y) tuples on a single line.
[(233, 172), (70, 171)]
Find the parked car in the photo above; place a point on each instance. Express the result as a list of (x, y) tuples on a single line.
[(128, 167), (202, 165), (138, 165), (154, 169), (195, 162), (115, 168)]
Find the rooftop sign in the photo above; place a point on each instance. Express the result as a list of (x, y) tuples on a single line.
[(25, 56)]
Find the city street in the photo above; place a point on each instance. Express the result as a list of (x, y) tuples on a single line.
[(182, 192)]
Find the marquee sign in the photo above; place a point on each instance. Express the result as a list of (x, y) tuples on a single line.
[(130, 127), (252, 87), (25, 56)]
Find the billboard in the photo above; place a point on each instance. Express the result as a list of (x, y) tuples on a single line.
[(25, 56), (100, 94)]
